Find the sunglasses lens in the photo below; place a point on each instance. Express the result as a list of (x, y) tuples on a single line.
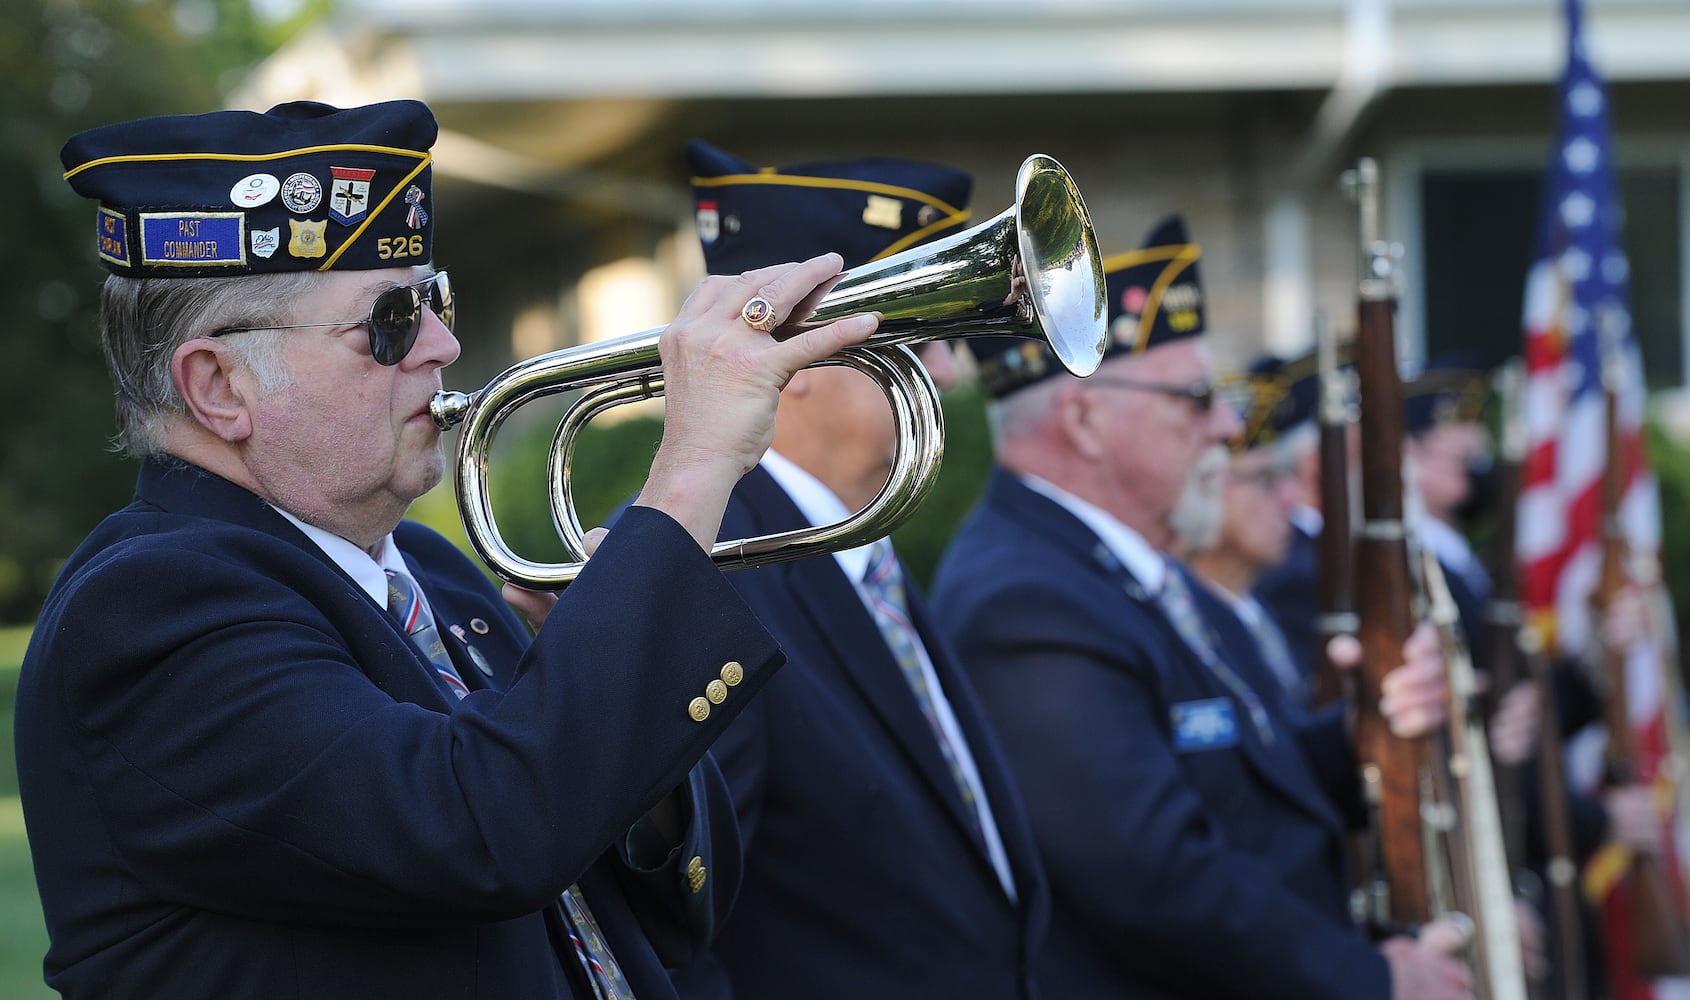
[(440, 299), (394, 320)]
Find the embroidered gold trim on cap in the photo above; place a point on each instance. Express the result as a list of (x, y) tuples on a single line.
[(1179, 256), (242, 157)]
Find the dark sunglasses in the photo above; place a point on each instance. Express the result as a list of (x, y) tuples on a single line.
[(1201, 392), (395, 318)]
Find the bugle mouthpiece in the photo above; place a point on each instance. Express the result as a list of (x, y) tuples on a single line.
[(449, 408)]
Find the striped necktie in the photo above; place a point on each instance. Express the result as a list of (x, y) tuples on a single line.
[(590, 947), (407, 606), (884, 582), (592, 950), (1183, 613)]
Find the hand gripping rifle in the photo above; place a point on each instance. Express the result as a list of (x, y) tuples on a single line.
[(1425, 857)]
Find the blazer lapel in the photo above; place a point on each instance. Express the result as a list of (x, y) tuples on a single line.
[(836, 614)]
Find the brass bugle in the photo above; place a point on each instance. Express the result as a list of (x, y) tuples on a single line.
[(1032, 271)]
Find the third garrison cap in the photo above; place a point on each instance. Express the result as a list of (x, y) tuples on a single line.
[(301, 187), (863, 210), (1155, 297)]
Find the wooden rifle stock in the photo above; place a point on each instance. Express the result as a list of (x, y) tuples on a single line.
[(1660, 943), (1336, 545), (1393, 769), (1438, 841)]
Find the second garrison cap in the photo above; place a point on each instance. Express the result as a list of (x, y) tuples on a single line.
[(1281, 395), (301, 187), (1155, 297), (863, 209), (1450, 389)]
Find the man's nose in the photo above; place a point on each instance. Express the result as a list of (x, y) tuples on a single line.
[(435, 341)]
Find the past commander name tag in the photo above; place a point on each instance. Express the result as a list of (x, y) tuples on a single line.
[(1209, 724)]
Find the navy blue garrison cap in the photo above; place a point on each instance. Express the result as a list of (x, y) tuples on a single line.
[(860, 209), (301, 187), (1155, 297), (1280, 395), (1450, 390)]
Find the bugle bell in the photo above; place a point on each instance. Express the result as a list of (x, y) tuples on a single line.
[(1032, 271)]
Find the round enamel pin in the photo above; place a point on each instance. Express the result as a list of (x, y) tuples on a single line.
[(254, 190), (301, 193)]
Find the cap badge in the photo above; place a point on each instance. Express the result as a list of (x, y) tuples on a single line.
[(349, 194), (887, 213), (254, 190), (306, 237), (265, 241), (417, 217), (301, 193), (709, 222)]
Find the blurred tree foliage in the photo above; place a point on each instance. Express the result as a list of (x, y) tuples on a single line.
[(70, 65)]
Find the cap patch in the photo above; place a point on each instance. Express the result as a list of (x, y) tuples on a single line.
[(113, 236), (193, 239)]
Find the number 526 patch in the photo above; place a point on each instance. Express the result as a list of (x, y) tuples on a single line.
[(395, 247)]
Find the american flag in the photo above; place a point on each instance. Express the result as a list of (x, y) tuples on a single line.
[(1577, 319), (1575, 309)]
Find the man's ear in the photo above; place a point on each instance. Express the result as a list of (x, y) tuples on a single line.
[(205, 375), (1077, 417)]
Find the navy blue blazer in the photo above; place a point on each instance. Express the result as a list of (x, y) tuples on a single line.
[(1183, 861), (862, 875), (241, 779)]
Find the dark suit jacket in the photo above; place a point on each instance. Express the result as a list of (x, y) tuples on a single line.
[(862, 876), (1176, 869), (240, 779)]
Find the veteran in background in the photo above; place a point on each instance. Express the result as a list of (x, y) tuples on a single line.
[(1193, 833), (1259, 496), (886, 850)]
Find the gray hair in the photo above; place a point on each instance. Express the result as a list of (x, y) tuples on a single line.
[(1023, 411), (144, 320)]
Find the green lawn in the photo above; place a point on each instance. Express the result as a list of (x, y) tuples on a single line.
[(23, 937)]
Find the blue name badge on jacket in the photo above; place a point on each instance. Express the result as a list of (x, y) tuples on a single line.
[(1209, 724)]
